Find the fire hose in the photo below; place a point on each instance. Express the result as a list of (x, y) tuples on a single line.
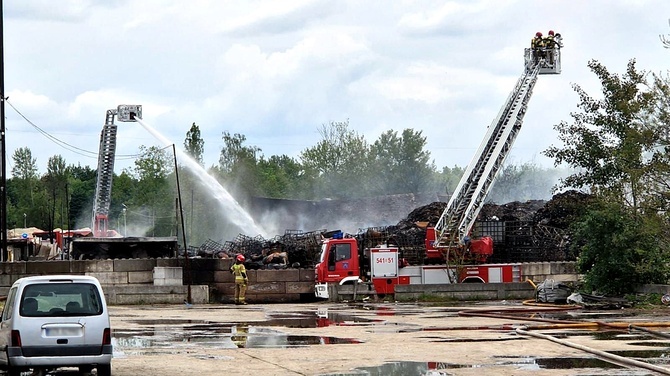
[(559, 324)]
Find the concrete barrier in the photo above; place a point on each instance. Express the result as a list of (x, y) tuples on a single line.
[(122, 277)]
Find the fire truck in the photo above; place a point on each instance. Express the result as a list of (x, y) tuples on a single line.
[(344, 259)]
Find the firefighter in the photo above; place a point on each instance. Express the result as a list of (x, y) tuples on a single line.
[(537, 46), (241, 279), (549, 43)]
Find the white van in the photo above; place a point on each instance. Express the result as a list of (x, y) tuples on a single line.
[(50, 322)]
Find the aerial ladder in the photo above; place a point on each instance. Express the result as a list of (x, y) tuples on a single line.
[(452, 230), (106, 155)]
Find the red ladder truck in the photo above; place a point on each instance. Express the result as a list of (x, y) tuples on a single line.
[(344, 260)]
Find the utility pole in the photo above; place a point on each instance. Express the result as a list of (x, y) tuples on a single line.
[(187, 263), (3, 169)]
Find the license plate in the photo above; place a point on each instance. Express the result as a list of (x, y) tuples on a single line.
[(62, 332)]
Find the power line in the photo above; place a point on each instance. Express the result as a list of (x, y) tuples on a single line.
[(65, 145)]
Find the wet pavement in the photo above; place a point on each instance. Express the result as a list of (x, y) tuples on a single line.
[(379, 339)]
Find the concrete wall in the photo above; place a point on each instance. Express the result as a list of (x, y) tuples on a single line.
[(131, 281), (563, 271), (466, 291)]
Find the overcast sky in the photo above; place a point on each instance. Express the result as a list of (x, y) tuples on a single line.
[(276, 71)]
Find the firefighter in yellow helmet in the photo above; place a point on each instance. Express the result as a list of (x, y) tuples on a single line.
[(537, 47), (241, 280)]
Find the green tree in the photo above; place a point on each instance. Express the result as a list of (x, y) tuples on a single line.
[(25, 166), (238, 165), (283, 177), (24, 192), (155, 191), (619, 249), (82, 190), (607, 144), (613, 144), (401, 163), (194, 144), (340, 160), (56, 182), (448, 179), (527, 181)]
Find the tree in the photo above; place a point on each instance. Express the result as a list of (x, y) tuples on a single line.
[(619, 249), (403, 164), (82, 191), (56, 182), (284, 177), (23, 191), (527, 181), (449, 178), (155, 191), (607, 144), (238, 165), (613, 144), (25, 166), (194, 144), (340, 160)]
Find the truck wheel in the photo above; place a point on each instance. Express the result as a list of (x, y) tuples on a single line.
[(104, 369)]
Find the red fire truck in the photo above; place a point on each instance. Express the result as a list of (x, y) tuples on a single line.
[(344, 260)]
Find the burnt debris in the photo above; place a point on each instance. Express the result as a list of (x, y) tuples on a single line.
[(522, 232)]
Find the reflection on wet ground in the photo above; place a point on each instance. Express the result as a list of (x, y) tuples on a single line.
[(167, 335), (173, 338), (170, 336), (406, 368)]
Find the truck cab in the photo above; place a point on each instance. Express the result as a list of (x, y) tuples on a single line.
[(339, 263)]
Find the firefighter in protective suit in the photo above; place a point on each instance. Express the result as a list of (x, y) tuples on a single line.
[(537, 47), (241, 280)]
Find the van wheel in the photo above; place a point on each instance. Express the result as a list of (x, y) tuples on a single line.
[(12, 371), (85, 369), (104, 370)]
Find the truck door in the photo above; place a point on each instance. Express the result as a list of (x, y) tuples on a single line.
[(341, 262)]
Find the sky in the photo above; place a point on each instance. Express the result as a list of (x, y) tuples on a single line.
[(278, 71)]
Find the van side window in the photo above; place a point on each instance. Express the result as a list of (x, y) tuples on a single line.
[(9, 306)]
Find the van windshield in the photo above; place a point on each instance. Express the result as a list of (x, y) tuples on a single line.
[(60, 299)]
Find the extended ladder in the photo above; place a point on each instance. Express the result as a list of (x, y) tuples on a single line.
[(103, 188), (106, 155), (464, 205)]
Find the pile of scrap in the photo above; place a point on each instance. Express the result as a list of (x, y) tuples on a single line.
[(526, 231), (293, 249)]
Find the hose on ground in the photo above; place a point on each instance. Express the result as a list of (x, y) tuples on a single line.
[(602, 354)]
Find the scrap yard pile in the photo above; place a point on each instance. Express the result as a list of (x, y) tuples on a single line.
[(522, 232)]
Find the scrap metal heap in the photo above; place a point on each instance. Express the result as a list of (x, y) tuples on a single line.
[(528, 231)]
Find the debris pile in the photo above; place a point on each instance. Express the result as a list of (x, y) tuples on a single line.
[(522, 232)]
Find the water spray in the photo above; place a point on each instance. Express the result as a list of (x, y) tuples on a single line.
[(234, 211)]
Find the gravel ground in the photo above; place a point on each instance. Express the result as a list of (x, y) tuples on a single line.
[(382, 339)]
